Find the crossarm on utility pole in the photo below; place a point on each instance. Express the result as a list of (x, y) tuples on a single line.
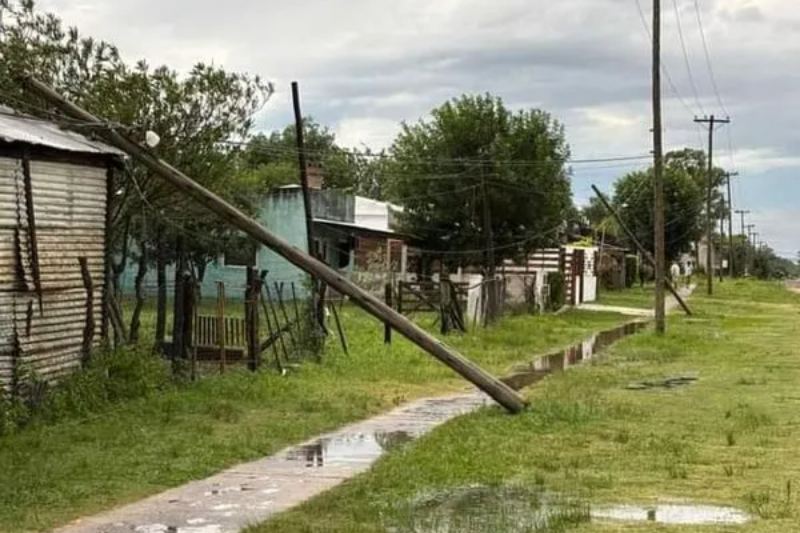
[(498, 390), (645, 253)]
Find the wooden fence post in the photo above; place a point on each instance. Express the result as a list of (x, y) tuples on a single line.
[(221, 325), (252, 293)]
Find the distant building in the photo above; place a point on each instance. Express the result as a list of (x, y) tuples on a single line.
[(54, 191)]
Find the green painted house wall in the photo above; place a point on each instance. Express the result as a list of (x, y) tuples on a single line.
[(283, 214)]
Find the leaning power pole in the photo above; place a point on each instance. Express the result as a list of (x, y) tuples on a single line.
[(658, 174), (728, 176), (711, 121), (497, 389)]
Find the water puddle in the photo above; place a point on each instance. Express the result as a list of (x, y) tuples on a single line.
[(485, 509), (348, 448), (524, 376), (667, 383), (673, 514)]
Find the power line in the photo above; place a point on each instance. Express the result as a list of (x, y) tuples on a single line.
[(686, 57), (664, 68), (277, 150), (708, 57)]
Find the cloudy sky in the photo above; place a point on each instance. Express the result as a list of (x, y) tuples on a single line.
[(366, 65)]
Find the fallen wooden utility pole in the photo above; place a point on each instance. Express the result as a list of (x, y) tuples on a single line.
[(495, 388), (647, 255)]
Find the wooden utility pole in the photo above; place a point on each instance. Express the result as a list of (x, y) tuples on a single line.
[(642, 250), (495, 388), (487, 225), (728, 176), (721, 238), (317, 289), (658, 174), (742, 213), (749, 237), (711, 121), (301, 160)]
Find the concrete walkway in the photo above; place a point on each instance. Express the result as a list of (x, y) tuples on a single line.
[(630, 311), (252, 492), (670, 304)]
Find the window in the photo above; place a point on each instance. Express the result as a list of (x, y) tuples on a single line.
[(240, 253)]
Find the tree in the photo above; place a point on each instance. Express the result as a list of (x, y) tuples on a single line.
[(768, 265), (685, 179), (194, 115), (474, 168)]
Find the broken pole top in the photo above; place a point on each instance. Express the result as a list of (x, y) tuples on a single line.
[(499, 391)]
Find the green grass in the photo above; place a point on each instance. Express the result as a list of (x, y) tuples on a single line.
[(87, 455), (636, 296), (730, 438)]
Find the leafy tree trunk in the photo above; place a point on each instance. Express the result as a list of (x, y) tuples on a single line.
[(161, 295), (177, 303), (118, 267), (139, 290)]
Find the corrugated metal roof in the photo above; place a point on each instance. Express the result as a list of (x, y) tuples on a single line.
[(15, 127)]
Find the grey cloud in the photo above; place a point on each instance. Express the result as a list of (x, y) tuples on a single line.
[(361, 60)]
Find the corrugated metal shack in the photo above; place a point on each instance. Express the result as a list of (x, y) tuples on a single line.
[(55, 187)]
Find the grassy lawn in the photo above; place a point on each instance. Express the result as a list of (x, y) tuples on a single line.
[(636, 296), (103, 454), (729, 438)]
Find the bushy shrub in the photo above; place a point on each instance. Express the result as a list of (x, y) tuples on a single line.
[(631, 268), (110, 377), (558, 290)]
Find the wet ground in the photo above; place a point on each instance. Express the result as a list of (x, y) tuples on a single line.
[(686, 514), (483, 509), (252, 492), (525, 375)]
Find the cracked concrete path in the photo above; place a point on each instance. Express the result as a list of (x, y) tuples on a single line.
[(252, 492)]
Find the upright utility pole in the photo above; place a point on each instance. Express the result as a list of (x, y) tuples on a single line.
[(317, 296), (728, 176), (494, 387), (301, 159), (487, 225), (742, 213), (711, 121), (748, 246), (658, 173), (721, 240)]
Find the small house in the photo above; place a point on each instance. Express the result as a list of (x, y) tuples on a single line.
[(352, 234), (54, 226)]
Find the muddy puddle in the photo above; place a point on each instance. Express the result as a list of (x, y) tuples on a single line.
[(524, 376), (479, 509)]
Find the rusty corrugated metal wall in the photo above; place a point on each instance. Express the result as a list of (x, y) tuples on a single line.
[(69, 206)]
